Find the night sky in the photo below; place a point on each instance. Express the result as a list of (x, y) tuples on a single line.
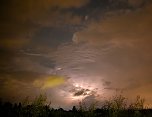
[(75, 50)]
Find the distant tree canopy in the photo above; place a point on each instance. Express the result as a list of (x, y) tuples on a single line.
[(114, 107)]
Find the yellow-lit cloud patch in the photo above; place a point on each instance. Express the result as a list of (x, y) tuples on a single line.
[(50, 81)]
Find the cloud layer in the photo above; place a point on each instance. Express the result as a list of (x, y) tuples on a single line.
[(75, 49)]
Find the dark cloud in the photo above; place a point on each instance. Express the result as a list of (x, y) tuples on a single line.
[(52, 36), (90, 101), (81, 92), (137, 3), (12, 81), (20, 19), (107, 83)]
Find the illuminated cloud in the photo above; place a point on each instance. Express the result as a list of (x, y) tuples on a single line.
[(110, 49), (124, 39), (49, 82)]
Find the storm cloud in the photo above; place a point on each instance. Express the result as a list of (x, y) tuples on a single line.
[(79, 50)]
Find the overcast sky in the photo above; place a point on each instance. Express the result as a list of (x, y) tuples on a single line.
[(75, 50)]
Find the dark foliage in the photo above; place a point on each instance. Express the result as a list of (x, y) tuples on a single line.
[(38, 108), (17, 110)]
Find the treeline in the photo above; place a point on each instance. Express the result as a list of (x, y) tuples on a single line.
[(116, 107)]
